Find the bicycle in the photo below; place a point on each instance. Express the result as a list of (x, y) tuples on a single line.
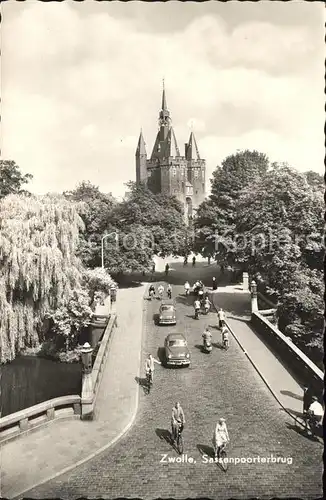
[(226, 344), (312, 423), (179, 439), (222, 457), (149, 380)]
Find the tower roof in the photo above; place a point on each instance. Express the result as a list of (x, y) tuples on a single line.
[(171, 146), (192, 152), (164, 105), (141, 148)]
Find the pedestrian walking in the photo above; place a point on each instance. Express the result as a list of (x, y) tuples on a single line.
[(167, 267), (193, 261), (214, 283)]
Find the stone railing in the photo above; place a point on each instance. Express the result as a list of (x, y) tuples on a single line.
[(22, 421), (303, 369), (92, 380), (68, 407)]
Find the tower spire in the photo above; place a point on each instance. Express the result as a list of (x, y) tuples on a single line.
[(164, 119), (164, 105)]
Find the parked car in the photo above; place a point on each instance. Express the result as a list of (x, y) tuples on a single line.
[(176, 350), (167, 313)]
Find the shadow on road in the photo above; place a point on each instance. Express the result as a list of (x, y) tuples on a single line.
[(161, 355), (205, 450), (164, 435), (292, 395), (156, 318), (142, 383), (186, 300), (303, 432), (294, 412), (199, 347), (218, 345)]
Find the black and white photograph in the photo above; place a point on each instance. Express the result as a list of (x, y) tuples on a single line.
[(162, 249)]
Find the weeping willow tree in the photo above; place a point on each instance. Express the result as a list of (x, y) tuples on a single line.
[(39, 270)]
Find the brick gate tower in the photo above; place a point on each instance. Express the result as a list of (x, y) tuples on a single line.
[(168, 171)]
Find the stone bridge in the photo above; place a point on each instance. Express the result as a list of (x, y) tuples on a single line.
[(125, 451)]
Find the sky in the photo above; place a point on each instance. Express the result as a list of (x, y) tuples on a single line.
[(80, 79)]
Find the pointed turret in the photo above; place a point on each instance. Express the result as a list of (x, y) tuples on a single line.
[(141, 148), (191, 150), (171, 146), (141, 160)]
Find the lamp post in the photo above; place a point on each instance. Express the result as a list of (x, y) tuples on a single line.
[(254, 301), (87, 382)]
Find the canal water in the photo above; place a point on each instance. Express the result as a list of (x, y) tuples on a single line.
[(30, 380)]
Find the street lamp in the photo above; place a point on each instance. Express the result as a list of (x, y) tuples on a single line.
[(86, 357)]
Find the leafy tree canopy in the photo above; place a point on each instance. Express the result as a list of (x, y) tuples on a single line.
[(215, 217), (39, 270), (11, 178)]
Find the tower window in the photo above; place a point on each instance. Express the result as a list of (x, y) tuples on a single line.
[(196, 172), (174, 171)]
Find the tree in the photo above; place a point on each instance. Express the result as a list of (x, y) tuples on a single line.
[(215, 219), (39, 269), (278, 219), (141, 226), (315, 180), (279, 228), (94, 207), (11, 178), (97, 281)]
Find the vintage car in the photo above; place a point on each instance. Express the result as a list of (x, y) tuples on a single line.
[(176, 350), (167, 314)]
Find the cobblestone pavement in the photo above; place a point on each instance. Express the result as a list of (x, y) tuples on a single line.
[(218, 384)]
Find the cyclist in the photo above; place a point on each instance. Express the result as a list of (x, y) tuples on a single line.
[(220, 437), (206, 305), (160, 291), (315, 411), (221, 318), (187, 287), (150, 365), (151, 291), (177, 420), (197, 308), (185, 262), (225, 335), (169, 291), (207, 336)]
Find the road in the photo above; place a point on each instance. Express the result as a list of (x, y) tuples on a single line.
[(217, 384)]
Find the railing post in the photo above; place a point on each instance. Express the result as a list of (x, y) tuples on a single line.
[(87, 383), (50, 413), (23, 424), (245, 282), (254, 300)]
